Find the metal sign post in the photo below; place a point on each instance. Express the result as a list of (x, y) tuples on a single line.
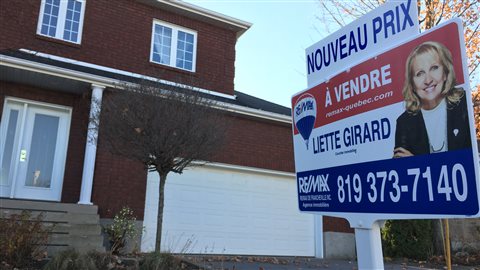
[(369, 247)]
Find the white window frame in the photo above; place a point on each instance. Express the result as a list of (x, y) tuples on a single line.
[(173, 47), (62, 14)]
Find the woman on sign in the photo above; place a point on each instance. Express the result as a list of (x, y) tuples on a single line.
[(436, 116)]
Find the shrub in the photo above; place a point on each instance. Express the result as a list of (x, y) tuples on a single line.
[(23, 238), (93, 260), (70, 260), (102, 260), (121, 230), (411, 239)]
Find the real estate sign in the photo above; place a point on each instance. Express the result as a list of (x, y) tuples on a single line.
[(347, 130), (379, 29)]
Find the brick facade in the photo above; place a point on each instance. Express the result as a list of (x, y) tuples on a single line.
[(119, 35), (255, 143), (332, 224)]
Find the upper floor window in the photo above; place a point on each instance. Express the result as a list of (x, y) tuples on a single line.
[(62, 19), (173, 46)]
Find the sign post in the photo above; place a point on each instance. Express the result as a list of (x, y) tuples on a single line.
[(365, 139), (370, 256)]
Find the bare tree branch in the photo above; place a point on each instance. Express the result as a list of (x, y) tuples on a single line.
[(341, 23), (472, 69), (470, 38), (460, 14), (441, 13)]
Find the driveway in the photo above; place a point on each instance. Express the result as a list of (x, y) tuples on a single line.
[(296, 263)]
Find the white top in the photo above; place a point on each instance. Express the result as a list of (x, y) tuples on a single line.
[(436, 124)]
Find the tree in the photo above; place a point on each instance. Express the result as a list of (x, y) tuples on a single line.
[(476, 110), (164, 127), (431, 13)]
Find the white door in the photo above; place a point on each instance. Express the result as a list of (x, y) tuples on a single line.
[(225, 211), (33, 147)]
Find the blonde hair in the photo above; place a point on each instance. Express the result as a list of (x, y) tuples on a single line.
[(412, 102)]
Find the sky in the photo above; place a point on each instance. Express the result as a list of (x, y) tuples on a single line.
[(270, 57)]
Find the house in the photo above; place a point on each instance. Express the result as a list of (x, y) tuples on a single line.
[(55, 56)]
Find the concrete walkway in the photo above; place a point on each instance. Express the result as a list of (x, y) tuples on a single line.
[(290, 263)]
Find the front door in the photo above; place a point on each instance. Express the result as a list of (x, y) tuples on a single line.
[(33, 148)]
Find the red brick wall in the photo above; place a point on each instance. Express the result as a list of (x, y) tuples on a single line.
[(118, 182), (258, 143), (332, 224), (118, 36)]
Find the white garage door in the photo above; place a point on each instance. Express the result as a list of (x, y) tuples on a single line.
[(222, 210)]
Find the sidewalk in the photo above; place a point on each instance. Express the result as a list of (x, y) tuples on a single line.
[(295, 263)]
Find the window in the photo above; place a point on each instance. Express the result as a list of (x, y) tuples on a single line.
[(173, 46), (62, 19)]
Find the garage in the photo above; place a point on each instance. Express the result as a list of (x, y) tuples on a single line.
[(224, 209)]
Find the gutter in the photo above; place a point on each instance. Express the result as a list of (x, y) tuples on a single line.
[(14, 62), (209, 14), (242, 168), (201, 14)]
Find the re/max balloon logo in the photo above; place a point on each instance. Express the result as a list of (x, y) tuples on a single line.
[(305, 111)]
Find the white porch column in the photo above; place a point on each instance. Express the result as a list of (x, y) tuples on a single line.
[(91, 146)]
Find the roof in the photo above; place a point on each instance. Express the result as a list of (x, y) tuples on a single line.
[(10, 72), (201, 14), (260, 104)]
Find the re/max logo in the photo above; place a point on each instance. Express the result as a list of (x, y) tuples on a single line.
[(313, 183), (304, 106)]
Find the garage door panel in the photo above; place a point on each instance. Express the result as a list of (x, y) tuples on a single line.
[(230, 212)]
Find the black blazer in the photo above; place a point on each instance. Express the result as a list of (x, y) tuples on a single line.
[(411, 132)]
